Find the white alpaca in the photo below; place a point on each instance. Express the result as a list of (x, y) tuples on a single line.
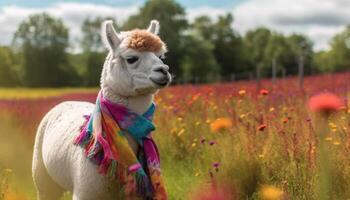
[(131, 75)]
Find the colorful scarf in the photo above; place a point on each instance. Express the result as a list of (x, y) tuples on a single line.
[(105, 143)]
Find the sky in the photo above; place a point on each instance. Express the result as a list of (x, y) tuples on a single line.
[(320, 20)]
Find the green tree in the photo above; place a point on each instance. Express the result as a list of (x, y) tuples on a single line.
[(94, 52), (300, 45), (43, 41), (262, 47), (277, 50), (340, 50), (171, 17), (323, 61), (199, 63), (8, 75), (228, 44), (255, 43)]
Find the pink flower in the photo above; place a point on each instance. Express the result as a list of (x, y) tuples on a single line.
[(325, 102)]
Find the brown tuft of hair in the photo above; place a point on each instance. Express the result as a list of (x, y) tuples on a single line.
[(142, 40)]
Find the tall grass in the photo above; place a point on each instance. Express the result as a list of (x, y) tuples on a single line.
[(15, 160), (270, 141)]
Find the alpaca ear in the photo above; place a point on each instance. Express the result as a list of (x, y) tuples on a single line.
[(154, 27), (109, 35)]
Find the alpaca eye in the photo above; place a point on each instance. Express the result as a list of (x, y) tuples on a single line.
[(132, 60)]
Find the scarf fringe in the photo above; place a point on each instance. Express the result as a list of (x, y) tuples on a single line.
[(143, 183), (84, 136), (110, 167)]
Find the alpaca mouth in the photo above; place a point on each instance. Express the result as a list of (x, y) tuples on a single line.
[(160, 81)]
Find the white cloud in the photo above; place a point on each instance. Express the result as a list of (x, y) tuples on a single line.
[(318, 19), (72, 14), (10, 17)]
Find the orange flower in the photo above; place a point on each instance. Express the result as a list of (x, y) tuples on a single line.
[(325, 102), (242, 92), (269, 192), (220, 124), (264, 92), (285, 120), (262, 127)]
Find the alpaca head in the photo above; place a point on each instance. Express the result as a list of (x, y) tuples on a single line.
[(134, 64)]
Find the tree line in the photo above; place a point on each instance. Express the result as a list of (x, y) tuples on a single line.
[(203, 50)]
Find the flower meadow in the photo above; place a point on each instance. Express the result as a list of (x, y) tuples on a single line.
[(222, 141)]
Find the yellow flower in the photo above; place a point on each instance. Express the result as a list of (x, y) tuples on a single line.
[(173, 130), (194, 144), (198, 123), (220, 124), (242, 92), (272, 109), (261, 155), (328, 139), (242, 116), (332, 125), (181, 132), (269, 192), (336, 143)]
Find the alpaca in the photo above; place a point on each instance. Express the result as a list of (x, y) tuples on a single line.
[(132, 74)]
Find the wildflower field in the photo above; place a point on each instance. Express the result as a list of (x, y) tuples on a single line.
[(218, 141)]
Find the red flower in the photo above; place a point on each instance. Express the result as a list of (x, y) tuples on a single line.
[(325, 102), (264, 92), (262, 127)]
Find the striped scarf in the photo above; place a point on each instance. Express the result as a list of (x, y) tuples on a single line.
[(104, 141)]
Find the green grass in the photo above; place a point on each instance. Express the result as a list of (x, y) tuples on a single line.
[(283, 155)]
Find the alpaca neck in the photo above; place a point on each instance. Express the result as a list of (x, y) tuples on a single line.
[(138, 104)]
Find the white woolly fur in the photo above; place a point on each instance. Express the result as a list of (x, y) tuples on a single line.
[(59, 165)]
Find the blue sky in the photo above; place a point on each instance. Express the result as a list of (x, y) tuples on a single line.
[(186, 3)]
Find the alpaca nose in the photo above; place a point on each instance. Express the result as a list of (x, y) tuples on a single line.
[(162, 69), (160, 75)]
